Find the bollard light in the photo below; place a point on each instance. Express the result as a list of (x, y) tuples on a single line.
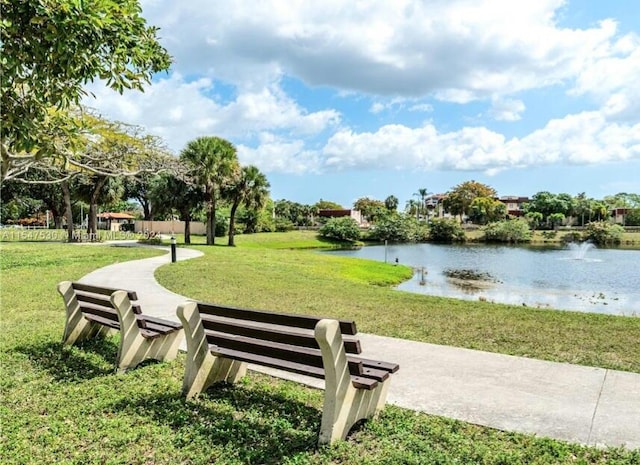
[(173, 249)]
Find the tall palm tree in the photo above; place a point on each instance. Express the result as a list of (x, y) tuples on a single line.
[(251, 189), (214, 163), (422, 193)]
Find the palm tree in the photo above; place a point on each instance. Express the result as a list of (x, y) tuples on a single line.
[(251, 188), (214, 163), (422, 193)]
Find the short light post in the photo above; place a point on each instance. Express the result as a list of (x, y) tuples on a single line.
[(173, 249)]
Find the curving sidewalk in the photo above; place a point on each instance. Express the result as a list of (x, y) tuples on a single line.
[(588, 405)]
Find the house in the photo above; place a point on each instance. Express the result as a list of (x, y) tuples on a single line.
[(435, 205), (514, 204), (355, 214), (115, 221), (618, 214)]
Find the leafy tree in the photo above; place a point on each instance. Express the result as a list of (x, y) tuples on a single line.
[(534, 219), (549, 204), (342, 229), (391, 203), (50, 50), (603, 233), (291, 214), (632, 218), (445, 230), (395, 227), (139, 188), (484, 210), (97, 189), (370, 208), (327, 205), (255, 221), (623, 200), (250, 188), (511, 231), (213, 164), (412, 207), (170, 193), (458, 201), (556, 219)]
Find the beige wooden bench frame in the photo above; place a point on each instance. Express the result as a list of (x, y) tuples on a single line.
[(348, 397), (93, 311)]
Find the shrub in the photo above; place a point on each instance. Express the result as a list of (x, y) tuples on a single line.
[(342, 229), (511, 231), (445, 230), (603, 233), (284, 225), (395, 227)]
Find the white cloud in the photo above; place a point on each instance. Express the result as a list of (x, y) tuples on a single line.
[(506, 109), (613, 80), (179, 111), (584, 138), (458, 50)]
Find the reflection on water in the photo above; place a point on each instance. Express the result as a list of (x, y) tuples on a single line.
[(581, 278)]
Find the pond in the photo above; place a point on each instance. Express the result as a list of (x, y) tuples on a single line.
[(578, 277)]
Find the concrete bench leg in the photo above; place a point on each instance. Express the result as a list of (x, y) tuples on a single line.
[(202, 369), (134, 347), (344, 405), (76, 326)]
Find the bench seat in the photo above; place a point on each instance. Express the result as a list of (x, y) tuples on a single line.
[(94, 311), (222, 340)]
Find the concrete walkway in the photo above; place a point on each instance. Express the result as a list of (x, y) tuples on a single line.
[(580, 404)]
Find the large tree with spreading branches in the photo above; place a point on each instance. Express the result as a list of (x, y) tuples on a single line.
[(50, 49)]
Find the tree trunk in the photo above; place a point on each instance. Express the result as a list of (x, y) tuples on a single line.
[(146, 208), (209, 200), (213, 218), (187, 229), (232, 223), (67, 201), (92, 226)]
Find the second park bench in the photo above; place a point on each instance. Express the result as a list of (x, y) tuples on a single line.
[(222, 340)]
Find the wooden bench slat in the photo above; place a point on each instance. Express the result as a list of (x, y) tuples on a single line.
[(360, 382), (102, 321), (285, 352), (272, 333), (102, 290), (159, 327), (285, 319), (378, 364), (161, 321), (103, 312)]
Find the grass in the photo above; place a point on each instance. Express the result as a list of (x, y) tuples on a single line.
[(303, 281), (68, 406)]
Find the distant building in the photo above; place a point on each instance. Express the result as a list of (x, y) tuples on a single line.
[(355, 214), (618, 215), (435, 205), (114, 221), (514, 204)]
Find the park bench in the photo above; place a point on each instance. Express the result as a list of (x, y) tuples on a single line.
[(94, 311), (221, 341)]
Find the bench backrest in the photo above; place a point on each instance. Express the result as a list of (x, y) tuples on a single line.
[(95, 300), (280, 336)]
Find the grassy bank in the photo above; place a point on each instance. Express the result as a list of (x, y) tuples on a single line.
[(67, 406), (310, 282)]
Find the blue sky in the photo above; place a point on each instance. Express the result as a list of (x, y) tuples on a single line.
[(345, 99)]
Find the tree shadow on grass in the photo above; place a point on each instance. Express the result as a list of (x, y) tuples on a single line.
[(245, 425), (89, 359)]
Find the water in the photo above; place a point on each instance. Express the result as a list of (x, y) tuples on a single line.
[(580, 277)]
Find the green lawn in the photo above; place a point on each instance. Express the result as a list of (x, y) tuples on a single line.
[(68, 406)]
